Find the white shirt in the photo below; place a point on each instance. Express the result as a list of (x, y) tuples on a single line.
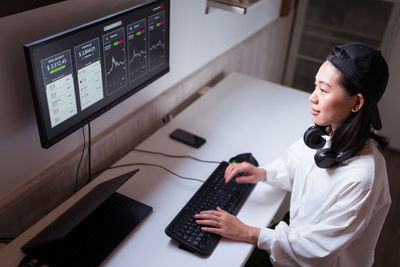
[(336, 214)]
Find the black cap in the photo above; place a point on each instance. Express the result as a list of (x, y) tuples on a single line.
[(366, 68)]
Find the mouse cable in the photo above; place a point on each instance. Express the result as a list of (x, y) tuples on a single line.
[(175, 156), (155, 165)]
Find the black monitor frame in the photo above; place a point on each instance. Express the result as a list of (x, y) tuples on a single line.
[(59, 53)]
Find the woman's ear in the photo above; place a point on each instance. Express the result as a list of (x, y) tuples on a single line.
[(358, 102)]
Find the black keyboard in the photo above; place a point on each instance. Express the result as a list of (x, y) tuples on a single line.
[(212, 194)]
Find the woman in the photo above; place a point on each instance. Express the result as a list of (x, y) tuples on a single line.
[(336, 175)]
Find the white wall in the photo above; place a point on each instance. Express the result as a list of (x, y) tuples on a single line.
[(389, 106), (196, 39)]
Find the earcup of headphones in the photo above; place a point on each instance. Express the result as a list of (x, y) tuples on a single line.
[(313, 137), (326, 158)]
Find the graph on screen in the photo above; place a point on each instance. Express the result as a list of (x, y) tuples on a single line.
[(156, 39), (137, 49), (114, 60)]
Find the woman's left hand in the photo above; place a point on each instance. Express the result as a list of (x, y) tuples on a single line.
[(222, 223)]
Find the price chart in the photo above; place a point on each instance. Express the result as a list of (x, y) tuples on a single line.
[(114, 60), (137, 52), (156, 39)]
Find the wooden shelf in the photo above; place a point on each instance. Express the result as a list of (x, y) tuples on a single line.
[(337, 30), (235, 6), (310, 59)]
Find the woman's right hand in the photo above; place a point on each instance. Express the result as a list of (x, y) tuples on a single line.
[(253, 173)]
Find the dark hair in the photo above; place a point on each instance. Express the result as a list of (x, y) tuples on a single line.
[(356, 130)]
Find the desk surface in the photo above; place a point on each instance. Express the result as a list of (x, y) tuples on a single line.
[(240, 114)]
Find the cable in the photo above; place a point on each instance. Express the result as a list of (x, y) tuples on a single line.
[(176, 156), (155, 165), (90, 152), (80, 160)]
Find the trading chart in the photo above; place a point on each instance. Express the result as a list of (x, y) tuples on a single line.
[(114, 60), (156, 39), (137, 52)]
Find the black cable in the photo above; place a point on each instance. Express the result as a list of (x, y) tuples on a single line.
[(90, 152), (175, 156), (80, 160), (156, 165)]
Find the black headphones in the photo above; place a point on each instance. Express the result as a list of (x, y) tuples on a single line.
[(327, 157)]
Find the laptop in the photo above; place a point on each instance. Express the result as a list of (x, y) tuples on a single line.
[(91, 229)]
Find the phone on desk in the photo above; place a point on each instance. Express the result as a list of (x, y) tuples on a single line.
[(187, 138)]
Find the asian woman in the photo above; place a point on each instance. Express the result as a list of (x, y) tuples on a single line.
[(336, 173)]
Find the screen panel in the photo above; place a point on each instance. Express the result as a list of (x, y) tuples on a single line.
[(81, 73)]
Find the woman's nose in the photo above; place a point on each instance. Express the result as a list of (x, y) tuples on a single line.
[(313, 97)]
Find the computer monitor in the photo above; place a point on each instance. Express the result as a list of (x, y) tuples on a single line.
[(79, 74)]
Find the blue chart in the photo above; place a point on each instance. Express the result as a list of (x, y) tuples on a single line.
[(137, 52), (114, 60), (156, 39)]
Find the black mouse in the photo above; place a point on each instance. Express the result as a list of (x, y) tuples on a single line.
[(244, 157)]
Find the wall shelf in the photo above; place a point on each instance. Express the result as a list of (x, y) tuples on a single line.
[(235, 6)]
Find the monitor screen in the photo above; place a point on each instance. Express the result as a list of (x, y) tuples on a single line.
[(79, 74)]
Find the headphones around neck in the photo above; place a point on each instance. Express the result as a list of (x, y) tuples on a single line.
[(327, 157)]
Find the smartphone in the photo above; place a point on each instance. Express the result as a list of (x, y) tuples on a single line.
[(187, 138)]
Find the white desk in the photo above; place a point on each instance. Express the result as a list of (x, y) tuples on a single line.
[(240, 114)]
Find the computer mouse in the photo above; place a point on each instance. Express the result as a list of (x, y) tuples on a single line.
[(244, 157)]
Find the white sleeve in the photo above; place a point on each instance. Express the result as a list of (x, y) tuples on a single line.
[(280, 172), (318, 244)]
